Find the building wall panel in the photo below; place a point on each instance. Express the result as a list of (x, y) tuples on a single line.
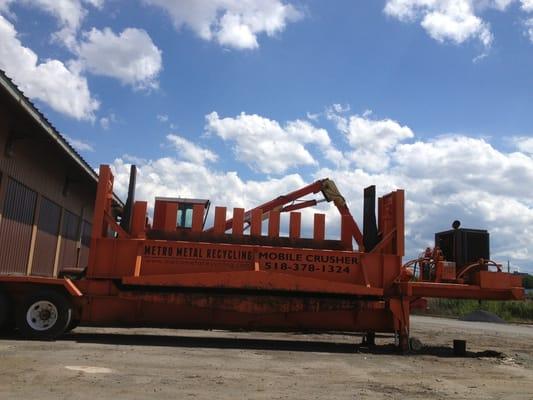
[(68, 256), (36, 163), (46, 240), (40, 166), (85, 244), (16, 227)]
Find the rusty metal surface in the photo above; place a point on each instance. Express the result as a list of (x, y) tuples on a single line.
[(46, 240), (16, 227), (68, 256), (233, 311)]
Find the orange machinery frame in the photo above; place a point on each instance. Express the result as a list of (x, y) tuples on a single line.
[(196, 278)]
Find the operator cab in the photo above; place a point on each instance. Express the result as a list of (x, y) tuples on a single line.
[(176, 213)]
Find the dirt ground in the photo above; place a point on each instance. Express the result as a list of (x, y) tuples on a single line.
[(98, 363)]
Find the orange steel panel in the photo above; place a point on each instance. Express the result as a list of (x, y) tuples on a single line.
[(220, 220), (400, 311), (235, 311), (253, 280), (138, 261), (400, 220), (237, 224), (197, 218), (497, 280), (346, 233), (96, 287), (388, 223), (319, 227), (169, 257), (114, 258), (273, 223), (462, 291), (254, 303), (174, 257), (171, 216), (516, 280), (391, 269), (66, 283), (295, 224), (104, 196), (138, 219), (255, 223), (103, 201), (159, 218)]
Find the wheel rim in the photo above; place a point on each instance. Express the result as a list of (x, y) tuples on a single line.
[(42, 315)]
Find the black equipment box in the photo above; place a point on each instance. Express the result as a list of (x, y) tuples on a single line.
[(464, 246)]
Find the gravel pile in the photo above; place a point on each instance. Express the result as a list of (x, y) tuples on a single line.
[(482, 316)]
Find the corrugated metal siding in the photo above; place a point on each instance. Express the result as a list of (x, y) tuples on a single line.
[(69, 241), (37, 163), (85, 244), (16, 227), (43, 168), (46, 240)]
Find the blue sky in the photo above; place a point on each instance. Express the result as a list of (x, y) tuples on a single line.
[(241, 101)]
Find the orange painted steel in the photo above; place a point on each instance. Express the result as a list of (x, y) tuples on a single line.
[(295, 225), (244, 279), (65, 283)]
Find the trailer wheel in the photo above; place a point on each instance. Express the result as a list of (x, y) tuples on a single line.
[(74, 322), (44, 315), (4, 311)]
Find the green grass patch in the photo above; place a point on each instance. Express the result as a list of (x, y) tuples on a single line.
[(518, 311)]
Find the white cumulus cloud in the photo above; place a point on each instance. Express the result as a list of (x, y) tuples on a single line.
[(78, 144), (68, 13), (131, 56), (523, 144), (453, 21), (527, 5), (267, 146), (371, 140), (59, 85), (528, 31), (190, 151), (232, 23)]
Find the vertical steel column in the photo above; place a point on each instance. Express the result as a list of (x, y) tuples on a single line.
[(237, 225)]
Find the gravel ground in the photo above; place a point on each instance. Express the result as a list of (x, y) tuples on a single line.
[(109, 363)]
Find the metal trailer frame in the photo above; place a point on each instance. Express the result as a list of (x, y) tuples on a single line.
[(211, 279)]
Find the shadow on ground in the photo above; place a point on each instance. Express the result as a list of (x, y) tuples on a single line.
[(125, 339)]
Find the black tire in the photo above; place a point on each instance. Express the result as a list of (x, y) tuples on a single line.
[(4, 311), (43, 315), (74, 322)]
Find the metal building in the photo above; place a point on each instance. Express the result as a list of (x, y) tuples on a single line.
[(47, 192)]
